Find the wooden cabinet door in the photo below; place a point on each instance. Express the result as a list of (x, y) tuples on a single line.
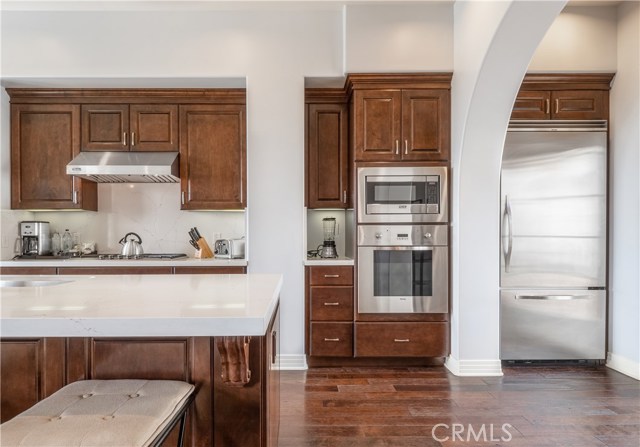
[(105, 127), (327, 156), (213, 156), (426, 123), (580, 105), (44, 139), (377, 125), (31, 369), (532, 105), (154, 127)]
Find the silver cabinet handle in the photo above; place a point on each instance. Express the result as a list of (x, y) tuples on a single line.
[(189, 190), (427, 235), (397, 147), (124, 138), (557, 105), (547, 107), (552, 297), (401, 340), (406, 147), (331, 304), (508, 249), (332, 276), (344, 196), (133, 139), (182, 197), (331, 339), (75, 197)]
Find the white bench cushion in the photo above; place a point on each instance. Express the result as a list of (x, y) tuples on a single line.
[(98, 413)]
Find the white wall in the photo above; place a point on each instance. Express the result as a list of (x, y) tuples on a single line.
[(486, 35), (389, 38), (624, 239), (582, 38)]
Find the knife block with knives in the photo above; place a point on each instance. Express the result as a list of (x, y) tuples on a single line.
[(203, 251)]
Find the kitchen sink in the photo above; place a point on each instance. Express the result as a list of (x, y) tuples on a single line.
[(32, 282)]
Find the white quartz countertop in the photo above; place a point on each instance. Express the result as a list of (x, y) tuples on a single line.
[(140, 305), (148, 262), (328, 261)]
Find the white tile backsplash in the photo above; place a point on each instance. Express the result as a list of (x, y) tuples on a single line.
[(150, 210)]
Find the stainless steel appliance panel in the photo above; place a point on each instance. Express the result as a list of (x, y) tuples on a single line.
[(553, 231), (560, 324), (403, 269), (402, 194)]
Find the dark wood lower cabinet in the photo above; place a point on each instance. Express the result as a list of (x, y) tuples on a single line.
[(402, 339), (31, 369), (221, 415)]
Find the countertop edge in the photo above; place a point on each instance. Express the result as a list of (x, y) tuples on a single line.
[(339, 261), (184, 262)]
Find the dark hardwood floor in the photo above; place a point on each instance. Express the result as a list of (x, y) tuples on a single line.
[(544, 406)]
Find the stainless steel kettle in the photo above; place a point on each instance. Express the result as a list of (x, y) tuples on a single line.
[(131, 247)]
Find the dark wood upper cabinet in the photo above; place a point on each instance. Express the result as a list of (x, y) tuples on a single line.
[(327, 155), (401, 117), (44, 139), (123, 127), (563, 96), (377, 124), (426, 124), (213, 156)]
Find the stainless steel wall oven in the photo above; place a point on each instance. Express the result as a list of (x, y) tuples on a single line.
[(403, 269), (402, 262)]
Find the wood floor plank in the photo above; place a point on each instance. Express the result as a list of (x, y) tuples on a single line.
[(545, 406)]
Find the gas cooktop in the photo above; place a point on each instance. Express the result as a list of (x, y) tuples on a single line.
[(102, 256)]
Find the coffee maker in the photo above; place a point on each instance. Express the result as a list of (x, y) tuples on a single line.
[(328, 247), (35, 238)]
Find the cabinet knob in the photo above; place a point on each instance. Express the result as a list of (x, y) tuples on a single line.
[(378, 235), (427, 235)]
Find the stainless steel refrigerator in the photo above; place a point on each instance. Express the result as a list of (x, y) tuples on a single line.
[(553, 241)]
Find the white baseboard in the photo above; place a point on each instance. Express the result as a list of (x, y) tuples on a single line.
[(292, 362), (470, 368), (623, 365)]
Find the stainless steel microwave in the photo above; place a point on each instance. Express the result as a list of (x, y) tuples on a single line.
[(402, 194)]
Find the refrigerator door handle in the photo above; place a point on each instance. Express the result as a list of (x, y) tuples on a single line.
[(551, 297), (506, 251)]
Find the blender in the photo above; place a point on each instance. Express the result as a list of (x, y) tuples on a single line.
[(328, 247)]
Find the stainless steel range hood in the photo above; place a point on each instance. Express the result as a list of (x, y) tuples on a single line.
[(126, 167)]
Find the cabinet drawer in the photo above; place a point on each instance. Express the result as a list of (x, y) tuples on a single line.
[(332, 303), (401, 339), (331, 339), (331, 276)]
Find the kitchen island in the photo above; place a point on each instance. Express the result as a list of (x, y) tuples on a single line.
[(218, 332)]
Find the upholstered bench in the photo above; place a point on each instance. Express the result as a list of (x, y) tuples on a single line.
[(101, 413)]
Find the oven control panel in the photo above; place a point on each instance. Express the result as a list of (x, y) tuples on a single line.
[(403, 235)]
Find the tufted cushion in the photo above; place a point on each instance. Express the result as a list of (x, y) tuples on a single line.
[(98, 413)]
